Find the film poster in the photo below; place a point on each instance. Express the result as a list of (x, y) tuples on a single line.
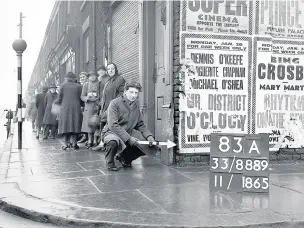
[(278, 87), (280, 18), (217, 91), (225, 16)]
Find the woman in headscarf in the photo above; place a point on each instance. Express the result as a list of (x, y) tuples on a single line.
[(89, 95), (113, 88), (70, 117)]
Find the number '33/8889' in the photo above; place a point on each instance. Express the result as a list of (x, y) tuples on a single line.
[(238, 165)]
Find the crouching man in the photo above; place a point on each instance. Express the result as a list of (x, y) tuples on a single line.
[(124, 128)]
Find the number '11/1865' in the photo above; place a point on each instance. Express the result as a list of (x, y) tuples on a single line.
[(248, 183)]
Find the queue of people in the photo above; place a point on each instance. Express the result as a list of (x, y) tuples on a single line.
[(106, 96)]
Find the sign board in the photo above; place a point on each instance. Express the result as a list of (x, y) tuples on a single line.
[(278, 87), (225, 17), (217, 95), (239, 162), (280, 18)]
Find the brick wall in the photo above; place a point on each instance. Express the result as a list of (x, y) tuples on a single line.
[(181, 159)]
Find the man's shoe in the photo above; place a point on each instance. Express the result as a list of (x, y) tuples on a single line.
[(64, 147), (52, 137), (123, 162), (90, 145), (113, 168), (75, 147)]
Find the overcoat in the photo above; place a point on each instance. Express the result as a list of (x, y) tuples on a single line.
[(113, 88), (70, 117), (32, 110), (89, 105), (40, 109), (49, 117), (124, 121)]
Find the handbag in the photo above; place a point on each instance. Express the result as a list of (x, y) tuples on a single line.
[(94, 121), (56, 108)]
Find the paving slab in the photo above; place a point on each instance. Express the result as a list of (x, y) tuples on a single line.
[(73, 187)]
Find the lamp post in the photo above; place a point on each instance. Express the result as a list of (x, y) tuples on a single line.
[(19, 45)]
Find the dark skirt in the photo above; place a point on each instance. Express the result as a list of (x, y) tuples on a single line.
[(39, 118), (70, 118), (49, 118)]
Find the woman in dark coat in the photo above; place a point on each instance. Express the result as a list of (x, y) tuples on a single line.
[(40, 109), (89, 95), (49, 120), (83, 79), (70, 117), (113, 88)]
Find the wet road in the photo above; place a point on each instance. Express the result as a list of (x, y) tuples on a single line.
[(80, 178)]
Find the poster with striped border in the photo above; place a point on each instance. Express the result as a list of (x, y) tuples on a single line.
[(217, 94), (278, 89), (225, 17)]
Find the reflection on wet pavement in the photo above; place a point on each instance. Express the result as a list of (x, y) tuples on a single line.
[(81, 178)]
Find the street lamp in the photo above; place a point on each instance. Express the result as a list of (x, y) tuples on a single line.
[(19, 45)]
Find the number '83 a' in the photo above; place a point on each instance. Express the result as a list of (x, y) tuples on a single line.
[(224, 145)]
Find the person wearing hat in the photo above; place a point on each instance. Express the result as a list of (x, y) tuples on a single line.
[(49, 119), (40, 109), (83, 77), (70, 117), (90, 96)]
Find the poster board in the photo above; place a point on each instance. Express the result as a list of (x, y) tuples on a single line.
[(278, 86), (273, 29), (279, 18), (224, 17), (218, 95)]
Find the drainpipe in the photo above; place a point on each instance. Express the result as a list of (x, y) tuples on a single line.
[(170, 21), (142, 73), (94, 34)]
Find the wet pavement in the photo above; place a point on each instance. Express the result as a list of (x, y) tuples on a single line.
[(75, 185)]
